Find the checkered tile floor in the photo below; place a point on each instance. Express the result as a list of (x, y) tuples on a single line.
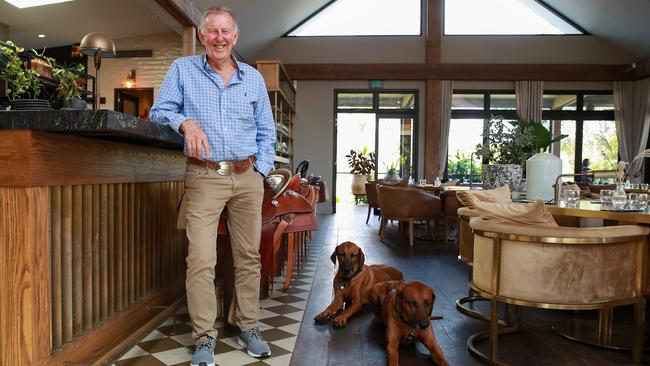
[(280, 317)]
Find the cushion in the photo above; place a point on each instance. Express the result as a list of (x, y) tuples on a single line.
[(498, 195), (516, 213)]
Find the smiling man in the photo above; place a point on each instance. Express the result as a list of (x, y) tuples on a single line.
[(222, 109)]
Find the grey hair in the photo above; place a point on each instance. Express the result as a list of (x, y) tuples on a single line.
[(216, 10)]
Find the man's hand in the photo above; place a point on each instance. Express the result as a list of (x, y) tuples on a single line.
[(195, 139)]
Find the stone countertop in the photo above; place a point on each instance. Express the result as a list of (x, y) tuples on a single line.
[(105, 124)]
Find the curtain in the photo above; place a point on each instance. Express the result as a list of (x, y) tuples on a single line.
[(632, 115), (446, 92), (528, 96)]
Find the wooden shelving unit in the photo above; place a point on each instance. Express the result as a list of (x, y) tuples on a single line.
[(282, 95)]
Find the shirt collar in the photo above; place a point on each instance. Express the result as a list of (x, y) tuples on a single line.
[(240, 70)]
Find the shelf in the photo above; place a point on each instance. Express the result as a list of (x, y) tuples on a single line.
[(281, 159)]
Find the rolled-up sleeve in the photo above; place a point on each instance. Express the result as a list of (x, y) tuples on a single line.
[(265, 130), (168, 106)]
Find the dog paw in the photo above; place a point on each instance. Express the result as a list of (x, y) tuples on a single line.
[(322, 317), (340, 322)]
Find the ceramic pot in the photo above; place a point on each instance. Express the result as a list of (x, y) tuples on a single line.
[(359, 184), (497, 175)]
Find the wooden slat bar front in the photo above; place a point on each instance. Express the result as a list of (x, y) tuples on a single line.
[(89, 252)]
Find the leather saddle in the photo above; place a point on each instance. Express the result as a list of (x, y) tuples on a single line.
[(283, 211)]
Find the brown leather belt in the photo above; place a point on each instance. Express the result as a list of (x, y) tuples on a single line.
[(224, 167)]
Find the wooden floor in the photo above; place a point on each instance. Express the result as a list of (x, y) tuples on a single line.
[(435, 263)]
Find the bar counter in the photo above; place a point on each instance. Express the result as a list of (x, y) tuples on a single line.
[(89, 253)]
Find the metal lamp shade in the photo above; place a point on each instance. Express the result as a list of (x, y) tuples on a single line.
[(96, 42), (97, 45)]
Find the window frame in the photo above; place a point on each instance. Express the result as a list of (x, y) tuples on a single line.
[(579, 115)]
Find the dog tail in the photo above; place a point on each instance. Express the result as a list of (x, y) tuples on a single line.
[(436, 317)]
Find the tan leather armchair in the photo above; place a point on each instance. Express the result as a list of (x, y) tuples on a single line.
[(450, 206), (371, 195), (407, 204), (558, 268)]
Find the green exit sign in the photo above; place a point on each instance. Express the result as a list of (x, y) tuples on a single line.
[(376, 84)]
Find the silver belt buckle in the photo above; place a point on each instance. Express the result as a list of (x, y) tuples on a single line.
[(225, 167)]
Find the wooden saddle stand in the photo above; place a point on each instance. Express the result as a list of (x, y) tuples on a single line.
[(288, 207)]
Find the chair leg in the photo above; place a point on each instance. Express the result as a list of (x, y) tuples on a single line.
[(446, 229), (411, 232), (637, 347), (436, 227), (290, 257), (382, 228), (494, 331), (368, 217)]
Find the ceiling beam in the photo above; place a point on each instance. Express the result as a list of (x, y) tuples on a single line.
[(642, 69), (477, 72), (185, 12)]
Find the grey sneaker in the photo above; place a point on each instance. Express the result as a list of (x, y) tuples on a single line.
[(204, 352), (254, 344)]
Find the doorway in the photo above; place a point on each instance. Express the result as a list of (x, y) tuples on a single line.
[(134, 101), (383, 122)]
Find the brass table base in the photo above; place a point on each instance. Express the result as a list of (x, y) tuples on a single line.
[(619, 337)]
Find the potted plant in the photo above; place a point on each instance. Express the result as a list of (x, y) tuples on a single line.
[(543, 168), (23, 85), (361, 164), (510, 145), (68, 92)]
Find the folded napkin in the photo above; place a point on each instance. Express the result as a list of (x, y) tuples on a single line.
[(516, 213), (469, 198)]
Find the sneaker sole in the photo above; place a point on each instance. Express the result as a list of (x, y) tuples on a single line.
[(243, 344)]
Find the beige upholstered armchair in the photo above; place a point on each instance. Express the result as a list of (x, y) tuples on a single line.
[(558, 268), (407, 204)]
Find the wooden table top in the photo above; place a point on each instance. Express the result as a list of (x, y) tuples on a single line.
[(431, 187), (588, 208)]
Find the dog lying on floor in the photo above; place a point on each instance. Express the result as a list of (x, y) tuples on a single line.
[(405, 309), (353, 283)]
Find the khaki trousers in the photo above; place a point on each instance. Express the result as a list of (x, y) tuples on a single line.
[(206, 195)]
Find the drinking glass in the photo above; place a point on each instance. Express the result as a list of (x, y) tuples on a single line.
[(423, 182), (606, 196), (571, 197), (637, 201), (644, 186)]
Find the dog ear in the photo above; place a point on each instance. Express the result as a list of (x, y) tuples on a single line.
[(362, 259), (333, 256)]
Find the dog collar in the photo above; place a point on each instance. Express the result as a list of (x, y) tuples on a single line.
[(409, 338), (346, 283)]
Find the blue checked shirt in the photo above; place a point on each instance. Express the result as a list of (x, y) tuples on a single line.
[(236, 118)]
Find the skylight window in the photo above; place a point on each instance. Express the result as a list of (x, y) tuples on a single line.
[(30, 3), (513, 17), (363, 18)]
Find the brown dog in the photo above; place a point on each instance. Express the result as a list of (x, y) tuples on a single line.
[(405, 309), (353, 283)]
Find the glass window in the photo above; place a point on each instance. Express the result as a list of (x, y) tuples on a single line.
[(503, 101), (354, 100), (559, 102), (600, 145), (568, 146), (464, 135), (467, 101), (363, 18), (503, 17), (598, 102), (396, 100)]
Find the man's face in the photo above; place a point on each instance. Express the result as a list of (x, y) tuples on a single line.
[(220, 37)]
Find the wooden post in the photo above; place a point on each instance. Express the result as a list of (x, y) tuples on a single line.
[(432, 105), (189, 41)]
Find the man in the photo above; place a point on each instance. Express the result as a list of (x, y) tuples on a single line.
[(222, 108)]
